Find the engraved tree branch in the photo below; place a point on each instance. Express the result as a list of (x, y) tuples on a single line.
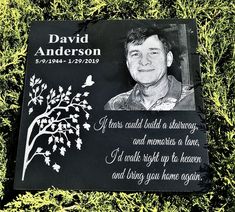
[(58, 121)]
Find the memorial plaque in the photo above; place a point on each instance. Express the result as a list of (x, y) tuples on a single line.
[(113, 106)]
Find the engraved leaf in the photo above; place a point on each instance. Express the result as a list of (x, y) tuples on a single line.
[(47, 161), (56, 167), (69, 144), (37, 89), (86, 126), (84, 102), (44, 120), (74, 120), (66, 98), (44, 86), (39, 149), (77, 132), (53, 126), (60, 126), (86, 94), (30, 110), (54, 148), (61, 140), (89, 107), (47, 153), (62, 151), (37, 81), (79, 143), (60, 89), (53, 93), (50, 140), (68, 93)]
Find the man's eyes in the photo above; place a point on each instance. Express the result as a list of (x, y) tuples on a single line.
[(135, 54), (139, 54), (154, 52)]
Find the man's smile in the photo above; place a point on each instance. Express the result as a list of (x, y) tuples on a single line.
[(146, 70)]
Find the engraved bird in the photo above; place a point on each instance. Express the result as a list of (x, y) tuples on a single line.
[(89, 82)]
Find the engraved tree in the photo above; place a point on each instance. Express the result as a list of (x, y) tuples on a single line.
[(58, 122)]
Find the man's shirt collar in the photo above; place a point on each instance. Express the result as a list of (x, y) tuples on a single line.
[(134, 101)]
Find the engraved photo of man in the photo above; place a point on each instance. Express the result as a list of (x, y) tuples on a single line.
[(148, 56)]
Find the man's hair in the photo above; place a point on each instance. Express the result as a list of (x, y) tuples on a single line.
[(139, 35)]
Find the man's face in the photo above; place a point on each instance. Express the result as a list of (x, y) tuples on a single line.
[(148, 61)]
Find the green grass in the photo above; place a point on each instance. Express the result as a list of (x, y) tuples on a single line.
[(215, 20)]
